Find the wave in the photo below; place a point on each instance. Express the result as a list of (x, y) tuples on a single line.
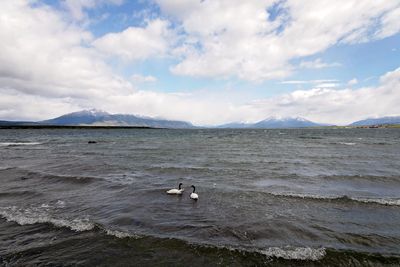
[(35, 215), (19, 193), (19, 143), (38, 216), (381, 201), (347, 143), (120, 234), (310, 137), (361, 177), (391, 178), (6, 168), (386, 202), (121, 179), (280, 254), (70, 178), (173, 168), (297, 253), (26, 174)]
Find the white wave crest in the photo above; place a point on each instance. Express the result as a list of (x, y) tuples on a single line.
[(389, 202), (40, 215), (381, 201), (299, 253), (120, 234), (32, 216), (347, 143), (19, 143)]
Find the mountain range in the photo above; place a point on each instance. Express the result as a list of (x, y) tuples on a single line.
[(377, 121), (95, 117), (274, 122)]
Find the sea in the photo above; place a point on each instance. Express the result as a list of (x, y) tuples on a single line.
[(267, 197)]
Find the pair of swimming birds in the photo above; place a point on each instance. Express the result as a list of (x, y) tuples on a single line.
[(180, 190)]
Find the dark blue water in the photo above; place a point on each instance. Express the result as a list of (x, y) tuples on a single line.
[(311, 197)]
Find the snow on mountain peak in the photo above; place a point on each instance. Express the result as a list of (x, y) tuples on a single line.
[(281, 118), (93, 112)]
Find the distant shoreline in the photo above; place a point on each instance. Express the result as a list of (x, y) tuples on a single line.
[(148, 127), (73, 127)]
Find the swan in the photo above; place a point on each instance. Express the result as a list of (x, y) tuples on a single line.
[(193, 195), (176, 191)]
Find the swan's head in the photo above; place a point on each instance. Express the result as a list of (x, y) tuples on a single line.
[(194, 188), (180, 185)]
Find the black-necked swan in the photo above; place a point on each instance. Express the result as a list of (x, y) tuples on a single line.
[(176, 191), (193, 195)]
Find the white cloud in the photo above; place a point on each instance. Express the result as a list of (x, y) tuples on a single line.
[(340, 106), (16, 105), (46, 64), (48, 67), (353, 81), (327, 85), (137, 43), (41, 54), (391, 24), (137, 78), (254, 47), (309, 81), (76, 7), (317, 64)]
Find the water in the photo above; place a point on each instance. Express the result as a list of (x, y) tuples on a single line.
[(304, 197)]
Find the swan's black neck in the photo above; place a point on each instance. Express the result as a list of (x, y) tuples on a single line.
[(180, 185), (194, 188)]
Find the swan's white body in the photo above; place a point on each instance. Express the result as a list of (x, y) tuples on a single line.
[(175, 191), (194, 196)]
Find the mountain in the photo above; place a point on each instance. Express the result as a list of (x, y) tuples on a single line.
[(273, 122), (285, 123), (236, 125), (84, 117), (377, 121), (100, 118), (17, 123)]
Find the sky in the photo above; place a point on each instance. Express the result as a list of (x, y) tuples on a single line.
[(208, 62)]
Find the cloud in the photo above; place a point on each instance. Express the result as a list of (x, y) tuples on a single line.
[(327, 85), (353, 81), (138, 43), (317, 64), (340, 106), (16, 105), (50, 66), (47, 66), (76, 7), (137, 78), (391, 24), (260, 45), (41, 54), (310, 81)]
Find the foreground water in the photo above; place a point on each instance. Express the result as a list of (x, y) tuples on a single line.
[(304, 197)]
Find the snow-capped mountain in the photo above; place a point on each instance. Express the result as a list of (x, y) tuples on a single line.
[(95, 117), (288, 122), (275, 122)]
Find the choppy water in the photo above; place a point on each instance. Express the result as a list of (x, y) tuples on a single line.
[(305, 197)]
